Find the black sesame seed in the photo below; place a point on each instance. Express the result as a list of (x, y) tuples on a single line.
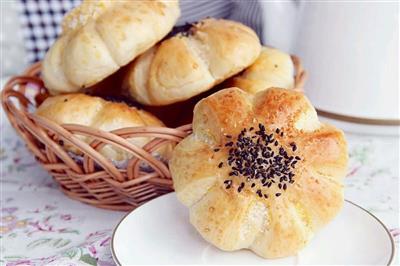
[(284, 186), (281, 134), (277, 131), (229, 144), (277, 194), (253, 185), (228, 136), (266, 196), (240, 187), (216, 150), (251, 128), (294, 147), (276, 143), (297, 158), (220, 164)]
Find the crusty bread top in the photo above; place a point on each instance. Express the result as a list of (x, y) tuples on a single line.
[(272, 139), (99, 37), (192, 62), (97, 113), (273, 68)]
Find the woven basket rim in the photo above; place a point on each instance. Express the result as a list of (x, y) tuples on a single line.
[(96, 181)]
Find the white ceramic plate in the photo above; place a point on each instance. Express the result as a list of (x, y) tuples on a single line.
[(159, 233)]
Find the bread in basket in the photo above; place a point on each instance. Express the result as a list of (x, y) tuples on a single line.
[(95, 180)]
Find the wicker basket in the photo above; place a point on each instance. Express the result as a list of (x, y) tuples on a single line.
[(94, 179)]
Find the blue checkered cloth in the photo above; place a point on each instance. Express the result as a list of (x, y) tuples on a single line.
[(41, 19)]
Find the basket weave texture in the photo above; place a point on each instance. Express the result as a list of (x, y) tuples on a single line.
[(94, 179)]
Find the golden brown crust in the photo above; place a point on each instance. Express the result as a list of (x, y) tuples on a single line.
[(97, 113), (187, 64), (277, 219), (273, 68), (98, 39)]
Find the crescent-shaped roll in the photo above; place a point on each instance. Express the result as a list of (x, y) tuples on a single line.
[(192, 62), (96, 113), (98, 37), (273, 68)]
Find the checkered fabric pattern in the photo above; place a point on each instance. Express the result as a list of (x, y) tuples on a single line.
[(41, 23), (41, 19)]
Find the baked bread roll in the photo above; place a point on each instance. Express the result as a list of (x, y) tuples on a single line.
[(97, 113), (273, 68), (259, 172), (98, 37), (192, 62)]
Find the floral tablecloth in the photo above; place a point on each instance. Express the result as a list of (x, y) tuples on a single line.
[(41, 226)]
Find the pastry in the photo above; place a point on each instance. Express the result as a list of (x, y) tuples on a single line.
[(98, 37), (192, 62), (96, 113), (273, 68), (259, 172)]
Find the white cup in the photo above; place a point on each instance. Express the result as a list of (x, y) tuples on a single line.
[(350, 49)]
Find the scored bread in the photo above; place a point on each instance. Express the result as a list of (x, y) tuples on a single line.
[(191, 62), (259, 172), (273, 68), (98, 37), (96, 113)]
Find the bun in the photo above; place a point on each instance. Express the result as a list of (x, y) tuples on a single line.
[(99, 114), (192, 62), (273, 140), (273, 68), (98, 37)]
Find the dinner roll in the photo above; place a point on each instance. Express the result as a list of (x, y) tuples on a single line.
[(98, 37), (96, 113), (192, 62), (273, 68), (260, 172)]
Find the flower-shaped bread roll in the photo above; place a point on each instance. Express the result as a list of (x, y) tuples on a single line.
[(259, 171)]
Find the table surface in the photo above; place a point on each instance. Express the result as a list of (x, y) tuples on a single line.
[(39, 225)]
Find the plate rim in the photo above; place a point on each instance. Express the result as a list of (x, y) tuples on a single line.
[(393, 247)]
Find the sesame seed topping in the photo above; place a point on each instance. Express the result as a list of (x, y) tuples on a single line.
[(254, 156), (220, 164)]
